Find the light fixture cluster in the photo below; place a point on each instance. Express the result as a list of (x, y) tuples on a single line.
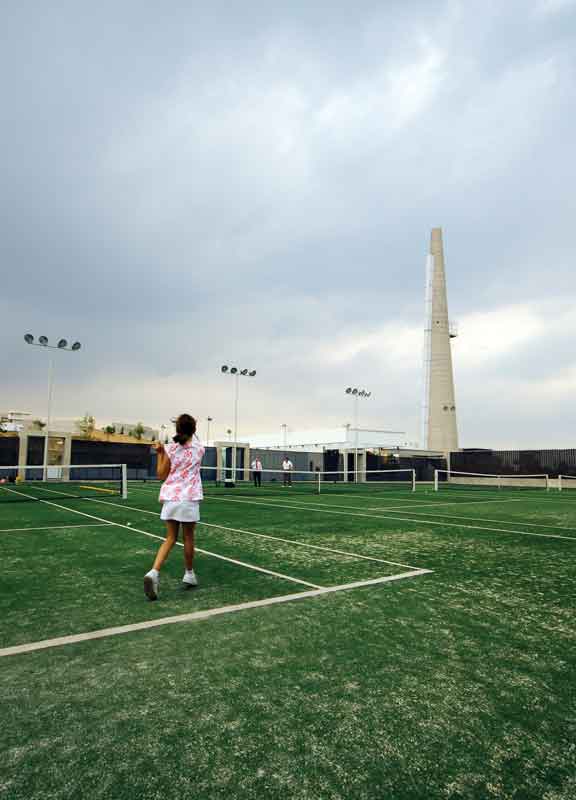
[(43, 342), (235, 371), (358, 392)]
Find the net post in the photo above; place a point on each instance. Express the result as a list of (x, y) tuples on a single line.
[(124, 479), (435, 480), (413, 480), (547, 482), (319, 483), (559, 483)]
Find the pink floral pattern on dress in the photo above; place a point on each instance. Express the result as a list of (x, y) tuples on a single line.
[(183, 484)]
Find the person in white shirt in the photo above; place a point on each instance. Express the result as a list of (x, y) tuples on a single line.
[(287, 467), (257, 472)]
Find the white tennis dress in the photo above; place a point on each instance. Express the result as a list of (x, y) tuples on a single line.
[(181, 492)]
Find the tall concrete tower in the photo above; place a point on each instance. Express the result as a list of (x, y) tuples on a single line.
[(440, 431)]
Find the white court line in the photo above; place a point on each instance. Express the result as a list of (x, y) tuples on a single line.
[(410, 503), (536, 496), (340, 513), (305, 544), (501, 521), (57, 527), (382, 516), (197, 616), (251, 533), (155, 536)]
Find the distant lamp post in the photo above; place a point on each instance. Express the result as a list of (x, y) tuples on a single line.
[(356, 393), (62, 345), (250, 373)]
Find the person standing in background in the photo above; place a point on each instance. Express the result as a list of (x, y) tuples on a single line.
[(287, 467), (257, 472)]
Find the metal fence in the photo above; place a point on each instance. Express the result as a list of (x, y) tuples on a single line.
[(515, 462)]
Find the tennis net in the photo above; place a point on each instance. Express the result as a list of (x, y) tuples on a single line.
[(85, 481), (453, 479), (304, 481), (566, 482), (367, 481), (248, 480)]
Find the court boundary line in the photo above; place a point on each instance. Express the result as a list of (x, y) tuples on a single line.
[(410, 503), (57, 527), (197, 616), (501, 521), (342, 513), (250, 533), (319, 511), (156, 536), (381, 516), (536, 495), (305, 544)]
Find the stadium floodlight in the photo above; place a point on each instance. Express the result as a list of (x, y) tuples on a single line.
[(233, 370), (252, 373), (62, 343), (76, 346), (243, 372), (349, 390), (43, 340), (354, 391), (29, 339), (224, 368)]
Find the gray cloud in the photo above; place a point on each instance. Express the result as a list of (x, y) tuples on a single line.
[(257, 183)]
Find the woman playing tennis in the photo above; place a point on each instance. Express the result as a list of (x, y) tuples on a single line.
[(179, 467)]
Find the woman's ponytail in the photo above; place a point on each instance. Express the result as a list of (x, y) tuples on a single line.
[(185, 428)]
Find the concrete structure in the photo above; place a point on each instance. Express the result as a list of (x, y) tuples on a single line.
[(440, 430), (320, 439), (62, 431)]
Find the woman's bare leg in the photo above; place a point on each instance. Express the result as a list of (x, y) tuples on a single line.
[(164, 550), (188, 529)]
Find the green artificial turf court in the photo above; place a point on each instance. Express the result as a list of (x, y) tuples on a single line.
[(359, 644)]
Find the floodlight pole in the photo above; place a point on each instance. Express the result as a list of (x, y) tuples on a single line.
[(48, 416), (62, 345), (236, 373), (355, 438), (356, 394), (235, 450)]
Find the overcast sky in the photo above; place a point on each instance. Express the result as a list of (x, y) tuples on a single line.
[(186, 184)]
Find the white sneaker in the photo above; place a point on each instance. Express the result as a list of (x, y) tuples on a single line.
[(189, 580), (151, 585)]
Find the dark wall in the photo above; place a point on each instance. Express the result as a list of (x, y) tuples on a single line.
[(35, 457), (9, 446), (272, 459), (515, 462), (423, 466), (86, 451)]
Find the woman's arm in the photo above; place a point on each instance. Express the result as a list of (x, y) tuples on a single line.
[(163, 463)]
